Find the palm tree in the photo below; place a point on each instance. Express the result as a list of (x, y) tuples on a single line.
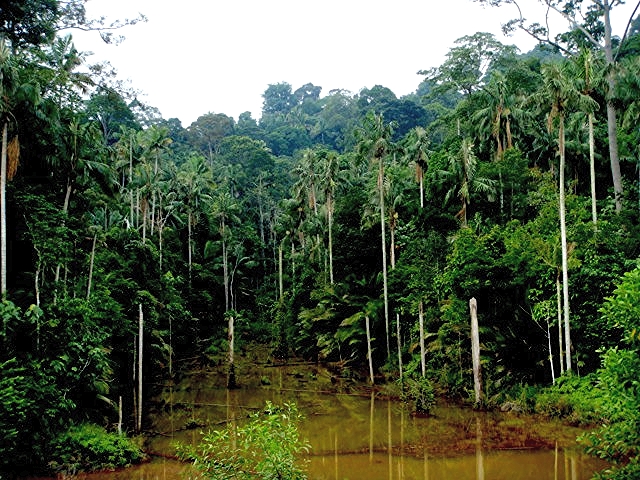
[(560, 95), (495, 119), (375, 144), (331, 170), (417, 151), (194, 179), (583, 71), (463, 175), (224, 209), (154, 141)]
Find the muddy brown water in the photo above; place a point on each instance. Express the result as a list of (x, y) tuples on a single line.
[(358, 434)]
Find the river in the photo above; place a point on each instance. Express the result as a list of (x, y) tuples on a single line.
[(356, 434)]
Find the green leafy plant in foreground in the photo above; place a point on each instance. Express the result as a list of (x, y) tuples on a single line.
[(618, 382), (88, 447), (265, 448)]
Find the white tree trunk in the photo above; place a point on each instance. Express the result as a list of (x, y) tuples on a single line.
[(93, 254), (560, 337), (553, 373), (280, 273), (330, 226), (369, 355), (231, 379), (3, 213), (563, 239), (384, 256), (399, 338), (423, 363), (592, 171), (140, 345), (475, 352)]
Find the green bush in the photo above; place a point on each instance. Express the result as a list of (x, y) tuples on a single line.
[(420, 391), (88, 447), (573, 399), (264, 448)]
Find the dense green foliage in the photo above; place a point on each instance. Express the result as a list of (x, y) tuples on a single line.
[(89, 447), (265, 448), (297, 228)]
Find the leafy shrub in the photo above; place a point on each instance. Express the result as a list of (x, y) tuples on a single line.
[(420, 391), (89, 447), (264, 448), (574, 399)]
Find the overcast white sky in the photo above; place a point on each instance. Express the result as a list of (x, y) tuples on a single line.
[(198, 56)]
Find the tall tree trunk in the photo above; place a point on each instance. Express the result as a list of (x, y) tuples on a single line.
[(280, 272), (423, 363), (475, 352), (611, 112), (369, 353), (563, 240), (3, 213), (592, 171), (92, 257), (421, 180), (189, 244), (225, 267), (330, 226), (560, 336), (384, 255), (140, 347), (231, 379), (553, 373), (65, 210), (399, 338), (131, 208)]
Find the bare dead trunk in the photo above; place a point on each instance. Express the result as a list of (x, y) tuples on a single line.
[(369, 354), (475, 352)]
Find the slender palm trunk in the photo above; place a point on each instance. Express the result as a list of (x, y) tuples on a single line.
[(423, 364), (231, 379), (140, 346), (225, 264), (93, 255), (280, 272), (560, 336), (384, 254), (330, 227), (3, 213), (563, 239), (553, 373), (65, 210), (421, 179), (592, 171), (399, 341), (189, 244)]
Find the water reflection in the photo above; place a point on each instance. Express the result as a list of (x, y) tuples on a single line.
[(363, 437)]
